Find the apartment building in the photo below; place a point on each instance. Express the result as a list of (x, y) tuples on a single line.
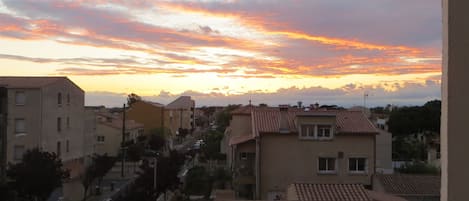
[(109, 132), (150, 114), (42, 112), (179, 114), (272, 148)]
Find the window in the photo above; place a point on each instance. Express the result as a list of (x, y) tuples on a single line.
[(59, 124), (326, 165), (20, 126), (67, 146), (59, 98), (18, 152), (68, 99), (68, 122), (20, 98), (58, 148), (324, 131), (307, 131), (311, 131), (100, 139), (357, 165), (243, 156)]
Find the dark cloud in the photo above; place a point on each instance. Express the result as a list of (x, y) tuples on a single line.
[(347, 96)]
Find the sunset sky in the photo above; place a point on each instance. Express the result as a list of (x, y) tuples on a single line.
[(222, 52)]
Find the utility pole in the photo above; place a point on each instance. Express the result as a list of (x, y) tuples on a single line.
[(154, 171), (123, 141)]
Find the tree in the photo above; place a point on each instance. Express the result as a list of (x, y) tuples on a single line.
[(37, 175), (135, 152), (132, 98), (167, 170), (223, 118), (102, 163), (211, 148), (87, 178), (156, 140), (198, 182), (417, 119)]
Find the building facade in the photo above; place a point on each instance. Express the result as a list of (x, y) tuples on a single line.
[(271, 148), (150, 114), (109, 133), (179, 114), (45, 113)]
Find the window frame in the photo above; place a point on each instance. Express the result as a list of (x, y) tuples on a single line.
[(356, 171), (331, 135), (16, 98), (98, 137), (15, 154), (59, 99), (315, 135), (59, 124), (307, 136), (327, 171), (23, 131)]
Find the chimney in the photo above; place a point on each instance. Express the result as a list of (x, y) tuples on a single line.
[(283, 128)]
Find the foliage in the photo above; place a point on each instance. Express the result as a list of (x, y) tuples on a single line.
[(156, 140), (211, 148), (208, 111), (37, 175), (167, 170), (417, 119), (406, 150), (419, 168), (198, 182), (223, 118), (100, 165), (135, 151), (132, 98), (220, 177)]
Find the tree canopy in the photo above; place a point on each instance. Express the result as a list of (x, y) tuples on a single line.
[(417, 119), (37, 175), (223, 118), (132, 98)]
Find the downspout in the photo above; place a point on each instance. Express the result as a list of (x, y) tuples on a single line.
[(258, 157), (258, 169)]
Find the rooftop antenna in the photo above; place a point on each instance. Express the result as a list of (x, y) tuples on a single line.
[(365, 96)]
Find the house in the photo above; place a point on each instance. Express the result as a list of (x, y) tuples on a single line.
[(409, 187), (109, 133), (383, 145), (45, 113), (271, 148), (150, 114), (179, 115)]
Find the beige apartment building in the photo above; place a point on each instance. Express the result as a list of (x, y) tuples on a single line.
[(109, 132), (179, 114), (272, 148), (42, 112)]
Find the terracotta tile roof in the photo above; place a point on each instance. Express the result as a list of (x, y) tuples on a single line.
[(411, 184), (116, 122), (267, 120), (240, 139), (331, 192)]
